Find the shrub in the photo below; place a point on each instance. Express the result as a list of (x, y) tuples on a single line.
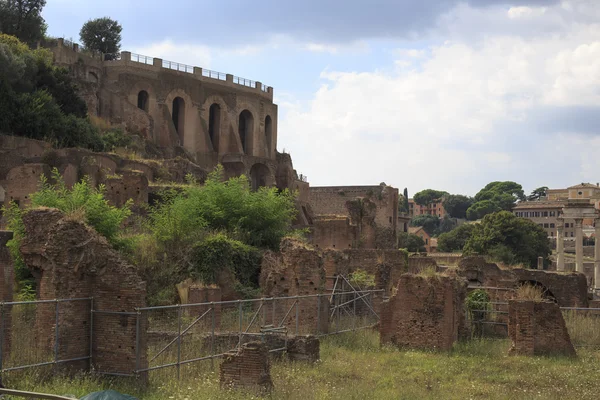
[(362, 279)]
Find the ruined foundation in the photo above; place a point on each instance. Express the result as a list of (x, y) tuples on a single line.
[(247, 368), (304, 348), (424, 313), (538, 328)]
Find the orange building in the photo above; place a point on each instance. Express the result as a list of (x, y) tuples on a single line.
[(434, 208), (420, 232)]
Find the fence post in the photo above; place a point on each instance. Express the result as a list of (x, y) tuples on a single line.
[(318, 314), (137, 341), (179, 341), (297, 316), (91, 331), (56, 322), (212, 337), (240, 311), (1, 337)]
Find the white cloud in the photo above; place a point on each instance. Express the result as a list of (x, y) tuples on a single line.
[(465, 117), (191, 54)]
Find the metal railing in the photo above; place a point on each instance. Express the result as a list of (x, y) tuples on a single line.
[(142, 59), (244, 82), (178, 66), (214, 74)]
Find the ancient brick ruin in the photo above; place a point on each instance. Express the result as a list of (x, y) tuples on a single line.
[(538, 328), (204, 294), (296, 271), (70, 261), (424, 313), (247, 367), (303, 348)]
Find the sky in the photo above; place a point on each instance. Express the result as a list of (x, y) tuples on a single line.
[(441, 94)]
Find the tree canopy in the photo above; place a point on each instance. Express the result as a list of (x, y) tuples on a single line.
[(456, 205), (495, 196), (508, 239), (39, 100), (538, 193), (428, 196), (23, 19), (411, 242), (456, 239), (103, 35), (430, 223)]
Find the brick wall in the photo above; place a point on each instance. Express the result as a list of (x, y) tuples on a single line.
[(131, 185), (333, 232), (424, 313), (537, 328), (73, 261), (296, 271), (247, 368)]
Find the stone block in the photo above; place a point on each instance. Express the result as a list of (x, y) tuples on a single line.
[(303, 348)]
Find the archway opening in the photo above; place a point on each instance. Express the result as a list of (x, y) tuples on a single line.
[(546, 293), (269, 133), (214, 125), (179, 117), (259, 174), (245, 128), (143, 100)]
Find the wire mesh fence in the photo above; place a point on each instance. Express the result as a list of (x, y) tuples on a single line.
[(38, 335)]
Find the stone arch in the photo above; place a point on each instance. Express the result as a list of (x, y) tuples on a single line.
[(214, 125), (93, 77), (246, 130), (269, 133), (259, 176), (186, 121), (548, 295), (178, 117), (142, 100)]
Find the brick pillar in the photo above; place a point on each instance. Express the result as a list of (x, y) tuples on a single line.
[(6, 290), (579, 245), (540, 263), (560, 244), (597, 254)]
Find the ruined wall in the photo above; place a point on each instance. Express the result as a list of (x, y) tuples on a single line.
[(296, 271), (129, 185), (202, 294), (247, 368), (424, 313), (21, 181), (333, 232), (537, 328), (417, 264), (71, 260), (569, 289)]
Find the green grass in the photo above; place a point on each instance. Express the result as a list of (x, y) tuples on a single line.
[(354, 366)]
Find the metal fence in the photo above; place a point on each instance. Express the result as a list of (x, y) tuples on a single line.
[(33, 334), (142, 59), (182, 336)]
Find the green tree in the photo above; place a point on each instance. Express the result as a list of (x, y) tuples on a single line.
[(495, 196), (40, 101), (538, 193), (446, 225), (23, 19), (430, 223), (411, 242), (509, 239), (103, 35), (405, 194), (456, 205), (402, 204), (427, 196), (456, 239)]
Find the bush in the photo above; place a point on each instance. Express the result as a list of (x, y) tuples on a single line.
[(217, 253), (411, 242), (456, 239)]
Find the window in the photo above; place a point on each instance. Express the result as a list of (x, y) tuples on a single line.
[(546, 225), (214, 124), (426, 241), (179, 116), (552, 226), (245, 129), (269, 133), (545, 213), (553, 213), (551, 233)]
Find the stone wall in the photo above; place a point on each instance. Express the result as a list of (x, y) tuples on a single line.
[(247, 368), (6, 288), (417, 264), (203, 294), (333, 232), (537, 328), (424, 313), (569, 289), (70, 260), (21, 181)]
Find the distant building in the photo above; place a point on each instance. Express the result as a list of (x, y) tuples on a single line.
[(433, 208), (420, 232)]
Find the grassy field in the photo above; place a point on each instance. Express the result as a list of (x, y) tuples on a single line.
[(354, 366)]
